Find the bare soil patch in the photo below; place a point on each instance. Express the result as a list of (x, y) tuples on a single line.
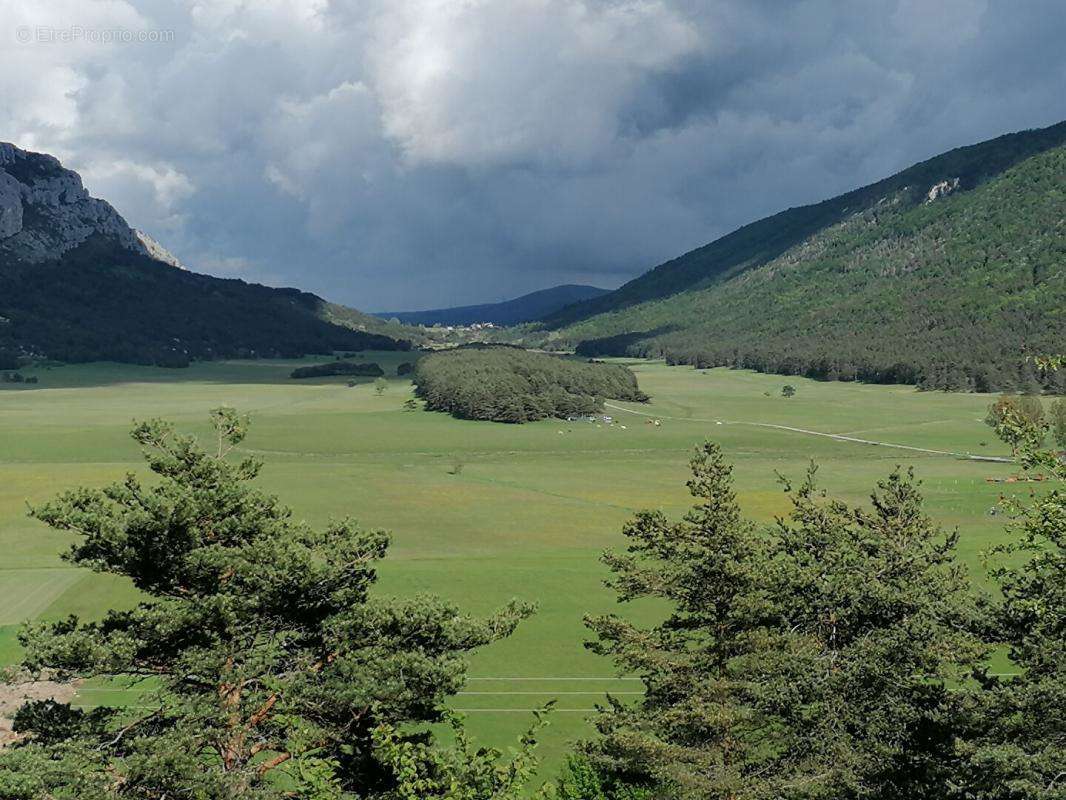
[(14, 695)]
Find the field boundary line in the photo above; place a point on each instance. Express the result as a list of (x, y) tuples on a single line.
[(838, 436)]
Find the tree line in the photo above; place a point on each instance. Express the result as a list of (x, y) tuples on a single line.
[(956, 371), (338, 367), (508, 384), (839, 653)]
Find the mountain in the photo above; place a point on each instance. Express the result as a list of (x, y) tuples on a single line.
[(526, 308), (77, 283), (948, 274)]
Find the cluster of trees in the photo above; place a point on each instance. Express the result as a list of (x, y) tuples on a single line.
[(369, 369), (951, 294), (841, 653), (102, 302), (16, 377), (508, 384)]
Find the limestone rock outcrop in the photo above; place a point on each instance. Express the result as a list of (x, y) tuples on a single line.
[(46, 211)]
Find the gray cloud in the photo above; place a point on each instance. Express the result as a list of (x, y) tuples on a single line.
[(406, 153)]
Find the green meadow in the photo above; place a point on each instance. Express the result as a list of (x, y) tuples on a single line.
[(480, 512)]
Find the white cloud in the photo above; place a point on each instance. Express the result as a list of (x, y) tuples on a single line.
[(154, 194), (484, 82), (396, 153)]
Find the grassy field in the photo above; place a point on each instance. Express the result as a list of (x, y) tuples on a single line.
[(481, 512)]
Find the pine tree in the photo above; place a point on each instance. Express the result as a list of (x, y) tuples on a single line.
[(1014, 744), (811, 660), (886, 617), (266, 659), (696, 733)]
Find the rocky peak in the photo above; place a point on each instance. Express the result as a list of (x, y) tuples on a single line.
[(46, 211), (941, 189), (156, 250)]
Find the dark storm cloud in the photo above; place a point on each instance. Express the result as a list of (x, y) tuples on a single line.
[(409, 153)]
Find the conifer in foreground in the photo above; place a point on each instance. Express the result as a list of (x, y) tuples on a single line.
[(268, 666), (815, 659)]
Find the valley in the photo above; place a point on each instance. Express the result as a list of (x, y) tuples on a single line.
[(481, 512), (714, 447)]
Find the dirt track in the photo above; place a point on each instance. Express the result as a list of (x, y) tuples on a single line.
[(838, 436), (13, 695)]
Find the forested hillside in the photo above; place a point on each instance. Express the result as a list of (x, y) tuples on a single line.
[(948, 275), (506, 384), (77, 283), (104, 302)]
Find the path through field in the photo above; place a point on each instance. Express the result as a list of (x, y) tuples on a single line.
[(838, 436)]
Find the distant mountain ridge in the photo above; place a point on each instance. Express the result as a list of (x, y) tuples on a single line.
[(950, 274), (528, 307), (77, 283)]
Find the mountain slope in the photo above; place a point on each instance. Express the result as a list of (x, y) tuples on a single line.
[(528, 307), (946, 275), (78, 284)]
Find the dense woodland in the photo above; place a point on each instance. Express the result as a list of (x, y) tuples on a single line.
[(506, 384), (881, 285), (103, 302)]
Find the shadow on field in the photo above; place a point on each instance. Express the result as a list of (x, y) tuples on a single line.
[(247, 371)]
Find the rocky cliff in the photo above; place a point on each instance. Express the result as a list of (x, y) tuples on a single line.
[(77, 283), (45, 211)]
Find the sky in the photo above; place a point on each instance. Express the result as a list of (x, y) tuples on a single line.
[(406, 154)]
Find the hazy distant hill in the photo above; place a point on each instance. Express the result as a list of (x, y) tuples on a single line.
[(535, 305), (947, 274), (78, 284)]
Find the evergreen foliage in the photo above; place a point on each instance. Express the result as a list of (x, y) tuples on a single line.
[(103, 302), (270, 666), (507, 384), (1013, 744), (9, 360), (811, 660), (371, 370)]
